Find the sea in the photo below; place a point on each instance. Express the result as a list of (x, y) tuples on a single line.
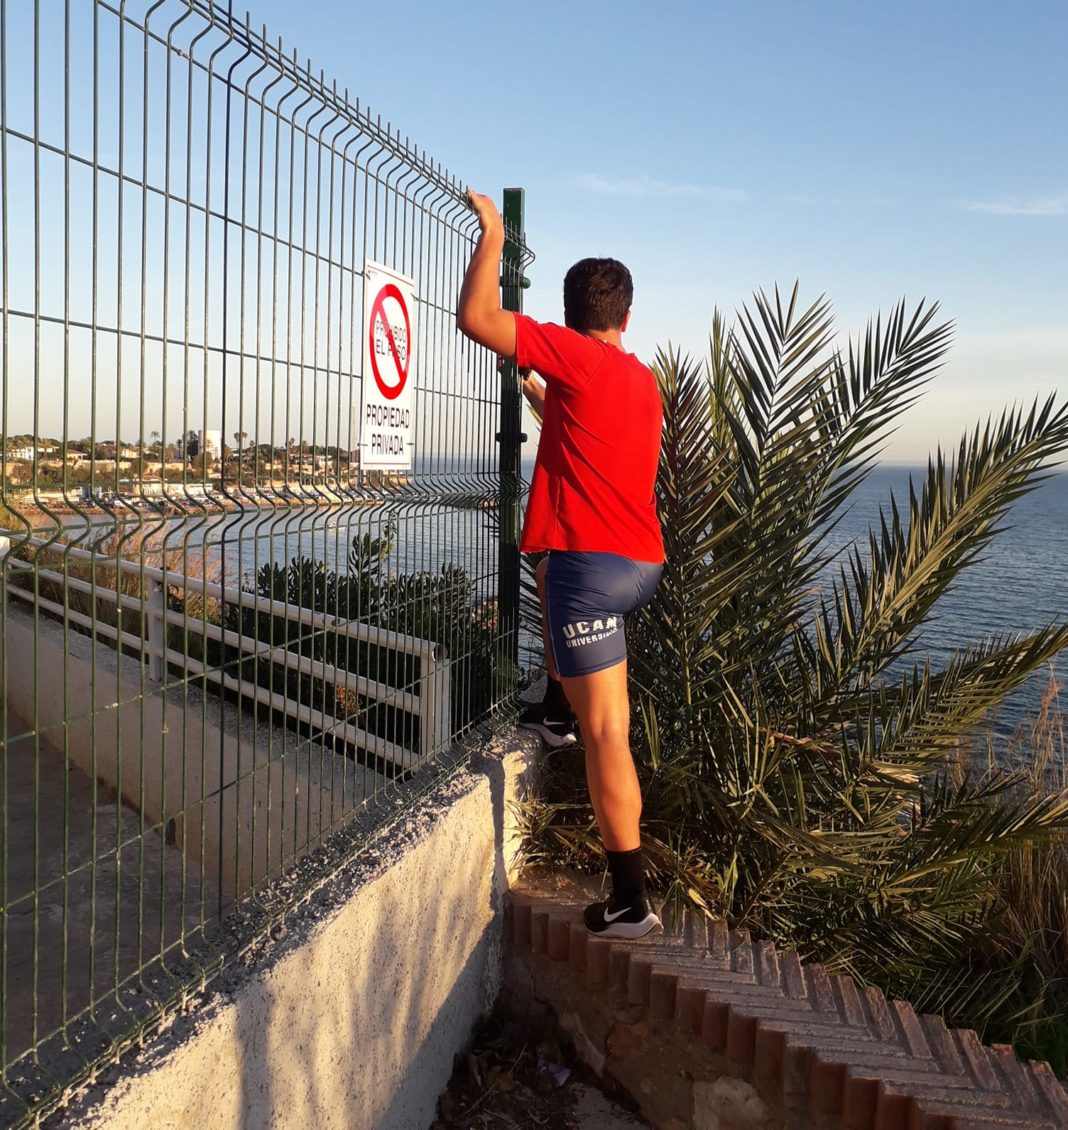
[(1018, 584)]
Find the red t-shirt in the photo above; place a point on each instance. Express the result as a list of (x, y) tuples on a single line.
[(600, 445)]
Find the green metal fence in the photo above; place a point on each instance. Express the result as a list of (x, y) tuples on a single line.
[(260, 503)]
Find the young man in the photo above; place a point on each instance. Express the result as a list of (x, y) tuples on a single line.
[(592, 507)]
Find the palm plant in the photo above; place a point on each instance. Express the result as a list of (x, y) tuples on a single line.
[(796, 751)]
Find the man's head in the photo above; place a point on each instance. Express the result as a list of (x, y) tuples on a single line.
[(597, 295)]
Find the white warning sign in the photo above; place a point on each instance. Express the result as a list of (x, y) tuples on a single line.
[(386, 422)]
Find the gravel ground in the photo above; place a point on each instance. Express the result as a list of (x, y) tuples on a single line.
[(513, 1078)]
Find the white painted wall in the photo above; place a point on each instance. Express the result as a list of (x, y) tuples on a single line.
[(352, 1024)]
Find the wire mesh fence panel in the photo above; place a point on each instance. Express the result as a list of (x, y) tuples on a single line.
[(258, 544)]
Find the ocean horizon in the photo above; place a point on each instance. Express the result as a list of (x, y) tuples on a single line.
[(1018, 584)]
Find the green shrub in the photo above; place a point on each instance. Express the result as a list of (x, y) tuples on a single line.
[(439, 607), (796, 754)]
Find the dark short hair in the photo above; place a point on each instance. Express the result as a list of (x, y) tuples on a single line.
[(597, 295)]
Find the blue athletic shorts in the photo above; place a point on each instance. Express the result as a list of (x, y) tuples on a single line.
[(586, 597)]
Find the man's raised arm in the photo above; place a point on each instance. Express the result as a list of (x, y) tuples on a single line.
[(478, 313)]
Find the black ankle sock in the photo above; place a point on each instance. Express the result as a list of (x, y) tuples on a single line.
[(627, 869), (555, 701)]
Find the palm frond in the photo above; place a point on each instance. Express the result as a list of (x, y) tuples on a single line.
[(800, 757)]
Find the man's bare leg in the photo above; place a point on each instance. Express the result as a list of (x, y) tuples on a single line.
[(600, 701)]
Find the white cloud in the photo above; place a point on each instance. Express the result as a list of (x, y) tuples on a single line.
[(647, 188), (1056, 205)]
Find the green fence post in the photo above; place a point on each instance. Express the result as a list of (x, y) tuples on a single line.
[(511, 440)]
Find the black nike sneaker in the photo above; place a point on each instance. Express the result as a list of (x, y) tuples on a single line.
[(556, 730), (610, 920)]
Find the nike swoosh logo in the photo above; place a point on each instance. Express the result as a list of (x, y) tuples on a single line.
[(612, 917)]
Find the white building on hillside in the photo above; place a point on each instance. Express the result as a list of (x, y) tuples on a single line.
[(211, 443)]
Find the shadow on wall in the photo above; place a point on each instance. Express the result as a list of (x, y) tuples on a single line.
[(357, 1026)]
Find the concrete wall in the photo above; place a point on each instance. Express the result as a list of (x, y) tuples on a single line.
[(177, 755), (352, 1021)]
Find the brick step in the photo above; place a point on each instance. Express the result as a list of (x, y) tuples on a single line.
[(951, 1095), (981, 1122), (859, 1083), (928, 1109), (726, 1011), (810, 1038)]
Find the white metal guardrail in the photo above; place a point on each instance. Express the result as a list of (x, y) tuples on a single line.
[(428, 699)]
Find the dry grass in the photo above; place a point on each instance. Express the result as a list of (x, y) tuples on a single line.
[(104, 571), (1029, 925), (1033, 888)]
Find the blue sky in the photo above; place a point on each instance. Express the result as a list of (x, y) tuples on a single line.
[(869, 150)]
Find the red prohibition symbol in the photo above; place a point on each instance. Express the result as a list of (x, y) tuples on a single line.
[(390, 290)]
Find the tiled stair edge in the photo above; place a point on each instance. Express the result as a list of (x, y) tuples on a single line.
[(818, 1049)]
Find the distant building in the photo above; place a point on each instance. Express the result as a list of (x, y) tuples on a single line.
[(152, 489), (211, 443), (32, 451)]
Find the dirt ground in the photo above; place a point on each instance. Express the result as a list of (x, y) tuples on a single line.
[(511, 1078)]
